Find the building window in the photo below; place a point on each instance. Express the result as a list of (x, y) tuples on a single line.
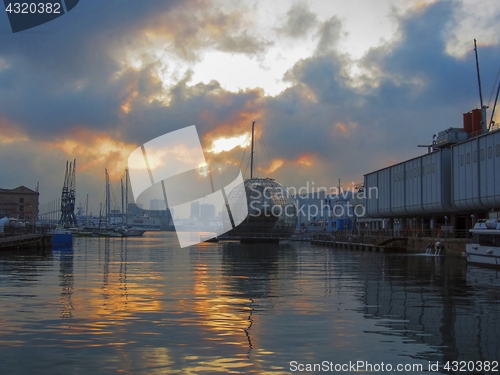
[(486, 240), (498, 150), (490, 152), (21, 208), (468, 158), (462, 159), (21, 200)]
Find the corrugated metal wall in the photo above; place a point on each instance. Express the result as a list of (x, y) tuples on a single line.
[(476, 173), (463, 178)]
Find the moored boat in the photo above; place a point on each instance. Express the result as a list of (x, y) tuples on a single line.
[(484, 248), (130, 232)]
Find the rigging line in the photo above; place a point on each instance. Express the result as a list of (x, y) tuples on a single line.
[(244, 151), (494, 85), (113, 198), (248, 162), (269, 159), (493, 110)]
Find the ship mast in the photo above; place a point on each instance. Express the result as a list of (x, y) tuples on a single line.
[(483, 107), (251, 155)]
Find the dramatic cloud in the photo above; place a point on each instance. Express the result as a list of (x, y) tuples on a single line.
[(108, 77)]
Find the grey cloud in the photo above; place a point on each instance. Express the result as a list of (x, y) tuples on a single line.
[(243, 43), (329, 34), (299, 21)]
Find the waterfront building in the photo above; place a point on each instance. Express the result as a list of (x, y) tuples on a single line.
[(19, 203), (445, 191)]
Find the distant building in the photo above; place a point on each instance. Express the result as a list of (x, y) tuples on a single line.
[(157, 204), (207, 211), (20, 203), (195, 210)]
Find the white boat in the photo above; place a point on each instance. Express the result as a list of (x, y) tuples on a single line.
[(484, 248), (130, 231)]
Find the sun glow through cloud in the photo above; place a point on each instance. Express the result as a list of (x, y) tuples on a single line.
[(227, 144)]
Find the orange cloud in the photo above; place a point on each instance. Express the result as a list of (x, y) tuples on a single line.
[(10, 133), (344, 128), (236, 125), (306, 160), (341, 127), (94, 150), (275, 165)]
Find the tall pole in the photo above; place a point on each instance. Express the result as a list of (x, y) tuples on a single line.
[(251, 155)]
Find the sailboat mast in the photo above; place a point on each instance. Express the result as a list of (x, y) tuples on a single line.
[(107, 198), (251, 155), (87, 212), (121, 182), (126, 196)]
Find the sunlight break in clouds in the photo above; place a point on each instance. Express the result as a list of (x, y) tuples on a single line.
[(227, 144)]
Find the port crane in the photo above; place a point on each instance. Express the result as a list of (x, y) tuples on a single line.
[(68, 218)]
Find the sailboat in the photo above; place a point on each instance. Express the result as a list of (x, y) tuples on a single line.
[(126, 230)]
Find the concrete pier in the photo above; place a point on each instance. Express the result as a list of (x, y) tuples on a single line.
[(452, 246), (25, 241)]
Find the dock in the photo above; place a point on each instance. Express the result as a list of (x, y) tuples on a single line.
[(348, 245), (25, 241), (451, 246)]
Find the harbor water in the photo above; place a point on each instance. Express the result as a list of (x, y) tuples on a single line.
[(145, 306)]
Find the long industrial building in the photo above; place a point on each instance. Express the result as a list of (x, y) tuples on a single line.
[(453, 185)]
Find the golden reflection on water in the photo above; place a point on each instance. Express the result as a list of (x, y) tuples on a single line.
[(123, 292), (226, 317), (128, 303)]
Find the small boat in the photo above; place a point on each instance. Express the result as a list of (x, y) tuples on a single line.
[(209, 238), (130, 232), (134, 233), (484, 248), (213, 239)]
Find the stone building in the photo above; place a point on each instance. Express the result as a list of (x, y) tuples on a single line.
[(19, 203)]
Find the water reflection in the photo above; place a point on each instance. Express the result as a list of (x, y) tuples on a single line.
[(147, 306), (66, 280), (442, 304)]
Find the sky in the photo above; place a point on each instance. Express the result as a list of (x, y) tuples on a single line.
[(337, 89)]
